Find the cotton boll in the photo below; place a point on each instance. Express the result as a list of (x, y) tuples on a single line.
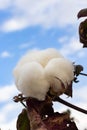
[(40, 56), (31, 81), (59, 72), (39, 70)]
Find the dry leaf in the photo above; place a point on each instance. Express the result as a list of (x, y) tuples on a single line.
[(23, 121), (82, 13), (83, 33)]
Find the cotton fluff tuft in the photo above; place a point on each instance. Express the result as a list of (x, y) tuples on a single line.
[(31, 81), (39, 70), (40, 56), (59, 72)]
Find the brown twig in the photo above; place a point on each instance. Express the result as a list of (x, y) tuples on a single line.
[(83, 74), (70, 105)]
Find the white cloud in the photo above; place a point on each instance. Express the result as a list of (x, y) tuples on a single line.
[(81, 92), (8, 109), (5, 54), (9, 126), (5, 4), (63, 39), (46, 13), (8, 115), (26, 45), (5, 111), (6, 92), (71, 47), (14, 24)]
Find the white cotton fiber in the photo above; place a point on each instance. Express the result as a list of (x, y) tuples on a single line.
[(40, 56), (59, 69), (39, 70), (31, 81)]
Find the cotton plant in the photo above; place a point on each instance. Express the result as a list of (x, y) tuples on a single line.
[(42, 76)]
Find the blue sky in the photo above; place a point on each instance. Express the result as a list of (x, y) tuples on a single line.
[(31, 24)]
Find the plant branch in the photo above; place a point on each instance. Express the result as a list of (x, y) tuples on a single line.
[(83, 74), (70, 105)]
